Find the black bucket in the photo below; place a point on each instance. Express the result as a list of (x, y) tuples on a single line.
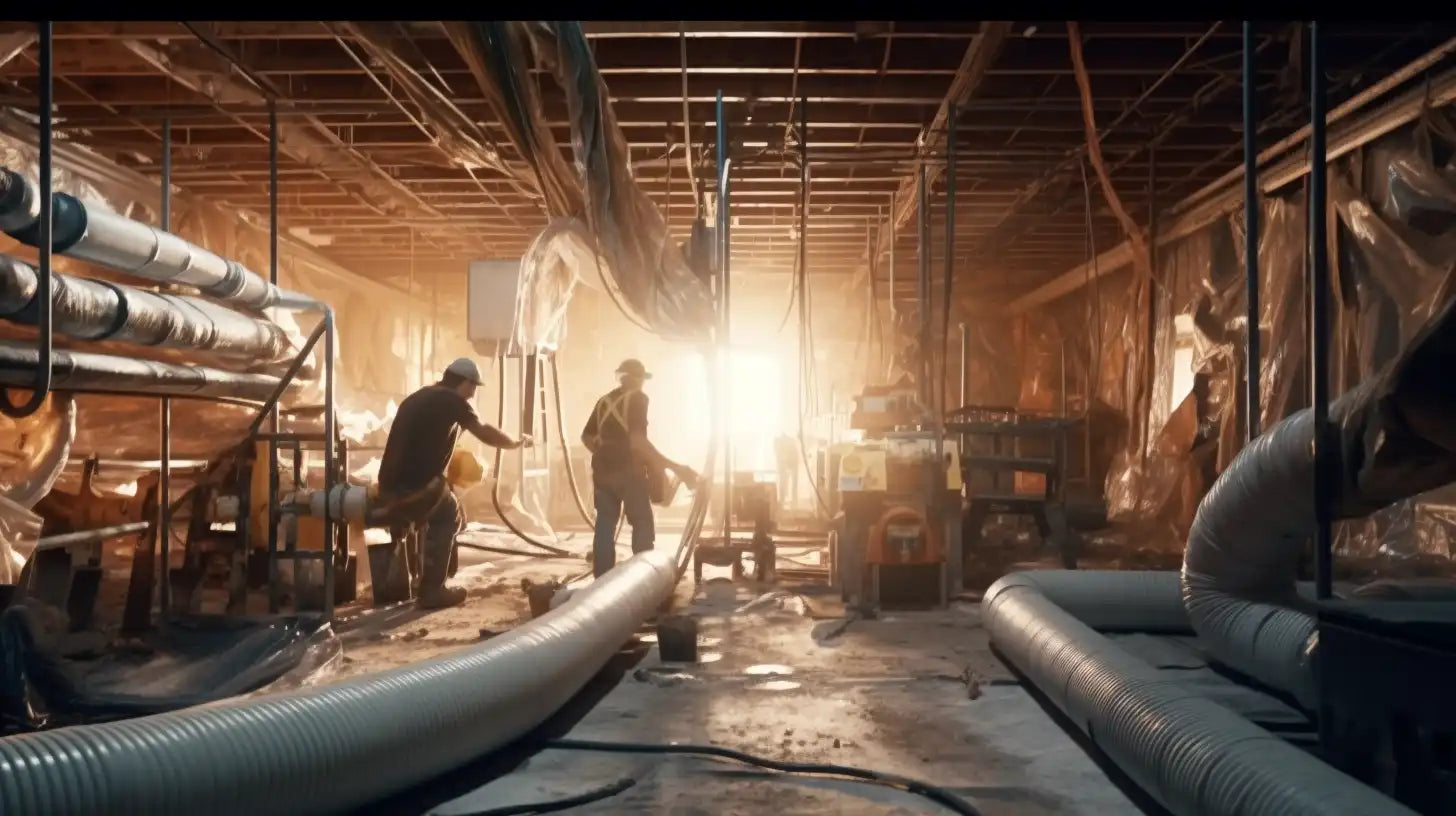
[(677, 639)]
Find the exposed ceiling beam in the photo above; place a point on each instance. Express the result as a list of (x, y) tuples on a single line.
[(979, 57), (1277, 169), (306, 140), (13, 43)]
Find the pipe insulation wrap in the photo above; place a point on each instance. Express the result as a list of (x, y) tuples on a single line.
[(333, 748), (99, 236), (1393, 440), (1193, 755), (100, 310), (108, 374)]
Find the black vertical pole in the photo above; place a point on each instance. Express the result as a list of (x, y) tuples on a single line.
[(274, 597), (164, 471), (1318, 282), (725, 366), (950, 241), (1253, 416), (922, 211), (44, 240)]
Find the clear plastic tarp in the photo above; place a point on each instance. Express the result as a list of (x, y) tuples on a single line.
[(1393, 255)]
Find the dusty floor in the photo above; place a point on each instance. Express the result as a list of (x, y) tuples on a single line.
[(780, 675)]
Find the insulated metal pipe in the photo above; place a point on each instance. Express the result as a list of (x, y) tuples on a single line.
[(1251, 234), (99, 236), (101, 310), (107, 374), (1319, 311), (40, 380), (368, 737)]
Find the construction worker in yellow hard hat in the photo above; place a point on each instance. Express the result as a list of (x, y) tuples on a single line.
[(420, 445), (616, 435)]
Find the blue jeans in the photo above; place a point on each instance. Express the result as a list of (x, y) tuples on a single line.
[(615, 492)]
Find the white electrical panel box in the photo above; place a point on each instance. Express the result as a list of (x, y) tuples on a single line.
[(491, 291)]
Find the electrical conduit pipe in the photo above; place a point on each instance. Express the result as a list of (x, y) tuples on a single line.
[(1193, 755), (334, 748), (1395, 441)]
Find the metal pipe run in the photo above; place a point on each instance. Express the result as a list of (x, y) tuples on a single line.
[(86, 372), (369, 737), (1319, 322), (101, 310), (40, 380), (1254, 419), (102, 237), (92, 536)]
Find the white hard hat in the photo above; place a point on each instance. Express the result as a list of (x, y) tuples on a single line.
[(465, 369)]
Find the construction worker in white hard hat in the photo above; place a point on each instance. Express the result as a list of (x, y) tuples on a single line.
[(417, 453), (616, 435)]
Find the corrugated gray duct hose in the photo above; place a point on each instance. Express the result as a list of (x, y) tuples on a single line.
[(1193, 755), (333, 748), (1396, 439)]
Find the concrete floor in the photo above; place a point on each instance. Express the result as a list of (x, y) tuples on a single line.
[(917, 694)]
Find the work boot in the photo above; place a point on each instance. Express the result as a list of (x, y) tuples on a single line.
[(434, 594), (441, 597)]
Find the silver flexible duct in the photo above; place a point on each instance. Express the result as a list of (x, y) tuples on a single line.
[(108, 374), (1395, 440), (103, 237), (1193, 755), (333, 748), (100, 310)]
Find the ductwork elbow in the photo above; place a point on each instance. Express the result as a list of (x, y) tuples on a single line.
[(1391, 439)]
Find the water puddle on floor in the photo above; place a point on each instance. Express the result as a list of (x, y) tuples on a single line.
[(775, 685), (763, 669)]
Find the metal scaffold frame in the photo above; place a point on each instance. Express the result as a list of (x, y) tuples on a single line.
[(334, 450)]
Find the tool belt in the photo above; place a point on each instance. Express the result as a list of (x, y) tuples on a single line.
[(404, 508)]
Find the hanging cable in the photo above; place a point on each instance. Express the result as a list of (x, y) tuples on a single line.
[(687, 125), (589, 517), (806, 341), (495, 488)]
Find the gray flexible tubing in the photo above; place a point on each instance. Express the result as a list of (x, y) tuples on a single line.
[(1194, 756), (334, 748), (1393, 439)]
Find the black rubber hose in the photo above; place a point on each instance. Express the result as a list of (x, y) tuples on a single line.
[(566, 803), (495, 488), (507, 551), (589, 518), (935, 794)]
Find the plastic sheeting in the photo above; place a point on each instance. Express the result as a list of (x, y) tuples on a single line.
[(1393, 209), (184, 663), (19, 532), (42, 443)]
